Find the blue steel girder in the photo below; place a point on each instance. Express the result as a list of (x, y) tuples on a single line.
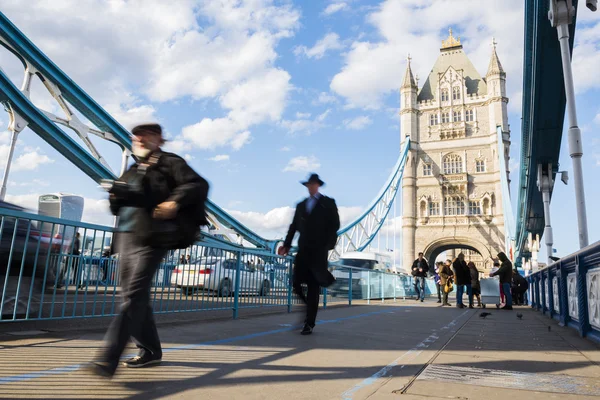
[(544, 103), (357, 235), (17, 43)]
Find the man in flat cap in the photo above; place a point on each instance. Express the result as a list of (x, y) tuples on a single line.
[(317, 220), (157, 190)]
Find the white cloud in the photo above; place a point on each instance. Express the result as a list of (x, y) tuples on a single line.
[(274, 223), (30, 161), (302, 163), (374, 68), (326, 98), (188, 157), (221, 51), (335, 7), (597, 119), (220, 157), (285, 148), (323, 116), (301, 115), (358, 123), (586, 57), (513, 165), (211, 133), (330, 41)]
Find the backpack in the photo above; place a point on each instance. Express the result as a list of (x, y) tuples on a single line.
[(184, 230)]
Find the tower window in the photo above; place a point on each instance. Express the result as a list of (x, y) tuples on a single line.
[(445, 118), (454, 205), (456, 93), (480, 165), (434, 208), (427, 170), (475, 207), (452, 164), (433, 119), (457, 117), (445, 96), (469, 116)]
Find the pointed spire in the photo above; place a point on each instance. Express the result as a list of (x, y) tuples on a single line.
[(495, 68), (409, 80)]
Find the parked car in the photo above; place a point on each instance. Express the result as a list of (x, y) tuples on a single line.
[(219, 275)]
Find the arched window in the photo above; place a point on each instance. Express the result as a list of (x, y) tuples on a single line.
[(457, 117), (433, 119), (445, 118), (452, 164), (455, 93), (445, 96), (486, 206), (423, 209), (469, 116), (454, 205)]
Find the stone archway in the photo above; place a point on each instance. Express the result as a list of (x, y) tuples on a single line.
[(435, 248)]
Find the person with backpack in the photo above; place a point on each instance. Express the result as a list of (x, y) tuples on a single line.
[(160, 204)]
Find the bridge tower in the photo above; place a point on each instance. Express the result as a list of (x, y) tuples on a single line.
[(452, 193)]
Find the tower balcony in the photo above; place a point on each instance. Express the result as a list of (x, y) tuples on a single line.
[(463, 177), (453, 130)]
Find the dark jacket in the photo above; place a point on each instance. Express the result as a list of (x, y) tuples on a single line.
[(505, 270), (318, 230), (445, 273), (424, 267), (474, 278), (462, 275), (169, 179), (519, 283)]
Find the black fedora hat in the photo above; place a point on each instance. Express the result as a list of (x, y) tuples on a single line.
[(313, 178)]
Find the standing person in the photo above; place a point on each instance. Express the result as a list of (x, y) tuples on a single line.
[(419, 271), (463, 280), (475, 285), (505, 275), (437, 280), (446, 275), (519, 287), (158, 189), (317, 220)]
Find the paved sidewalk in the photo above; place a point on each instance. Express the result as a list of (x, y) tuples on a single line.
[(402, 350)]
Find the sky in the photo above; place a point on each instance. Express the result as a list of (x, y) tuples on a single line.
[(257, 94)]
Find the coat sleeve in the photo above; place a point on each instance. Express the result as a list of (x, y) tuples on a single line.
[(292, 229), (334, 225), (189, 186)]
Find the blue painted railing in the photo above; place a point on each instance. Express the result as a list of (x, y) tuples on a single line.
[(569, 291), (42, 278)]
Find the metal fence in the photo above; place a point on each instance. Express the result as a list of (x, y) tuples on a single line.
[(569, 291), (42, 277)]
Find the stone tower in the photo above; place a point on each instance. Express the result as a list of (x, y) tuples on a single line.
[(452, 194)]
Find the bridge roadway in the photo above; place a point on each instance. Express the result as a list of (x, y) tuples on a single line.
[(402, 350)]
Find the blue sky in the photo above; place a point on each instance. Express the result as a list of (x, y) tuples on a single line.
[(257, 94)]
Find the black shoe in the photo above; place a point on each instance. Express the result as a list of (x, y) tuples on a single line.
[(507, 308), (417, 299), (142, 361), (307, 330), (460, 306), (422, 300), (102, 369), (439, 301), (471, 306)]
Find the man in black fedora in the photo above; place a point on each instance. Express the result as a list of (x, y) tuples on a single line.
[(317, 220)]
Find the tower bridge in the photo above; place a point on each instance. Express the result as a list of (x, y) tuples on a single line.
[(451, 188)]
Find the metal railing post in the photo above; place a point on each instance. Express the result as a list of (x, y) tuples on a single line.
[(324, 297), (582, 297), (290, 284), (350, 288), (368, 287), (381, 278), (236, 294), (563, 295)]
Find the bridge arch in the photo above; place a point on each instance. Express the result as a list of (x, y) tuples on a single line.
[(435, 248)]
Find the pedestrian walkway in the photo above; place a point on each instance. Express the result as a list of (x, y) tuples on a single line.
[(397, 350)]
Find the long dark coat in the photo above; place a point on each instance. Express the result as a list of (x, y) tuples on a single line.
[(318, 235)]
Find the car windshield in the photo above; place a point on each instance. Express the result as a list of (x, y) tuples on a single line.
[(366, 264)]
